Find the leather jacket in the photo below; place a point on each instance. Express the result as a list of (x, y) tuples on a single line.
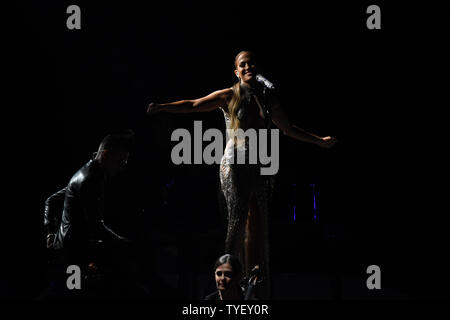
[(53, 211), (82, 217)]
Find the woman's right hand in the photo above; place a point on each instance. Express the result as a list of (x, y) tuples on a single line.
[(153, 108)]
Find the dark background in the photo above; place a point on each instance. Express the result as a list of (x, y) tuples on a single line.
[(379, 92)]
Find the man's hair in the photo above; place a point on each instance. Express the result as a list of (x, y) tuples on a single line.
[(119, 140)]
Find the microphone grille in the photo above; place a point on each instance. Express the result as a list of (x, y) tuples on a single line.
[(264, 81)]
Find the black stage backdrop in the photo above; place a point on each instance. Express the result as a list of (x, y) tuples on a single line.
[(378, 200)]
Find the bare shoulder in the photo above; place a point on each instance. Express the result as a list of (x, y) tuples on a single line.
[(225, 94)]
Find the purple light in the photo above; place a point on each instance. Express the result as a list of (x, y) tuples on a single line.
[(314, 199), (170, 183), (294, 212)]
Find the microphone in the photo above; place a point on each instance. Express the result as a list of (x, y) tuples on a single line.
[(265, 82)]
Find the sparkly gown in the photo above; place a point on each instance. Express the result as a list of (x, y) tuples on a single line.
[(247, 192)]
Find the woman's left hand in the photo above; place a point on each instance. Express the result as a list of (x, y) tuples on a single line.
[(327, 142)]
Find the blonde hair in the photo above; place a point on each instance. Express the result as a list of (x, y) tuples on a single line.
[(236, 100), (234, 105)]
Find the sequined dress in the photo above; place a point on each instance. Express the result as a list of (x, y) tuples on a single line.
[(246, 191)]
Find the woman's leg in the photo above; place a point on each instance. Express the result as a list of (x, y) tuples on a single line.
[(253, 245), (236, 190), (258, 229)]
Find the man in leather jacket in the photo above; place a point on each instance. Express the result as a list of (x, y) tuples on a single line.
[(80, 226)]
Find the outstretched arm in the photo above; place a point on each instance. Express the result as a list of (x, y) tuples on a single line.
[(281, 120), (211, 102)]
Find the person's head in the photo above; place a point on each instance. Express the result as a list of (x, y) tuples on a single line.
[(245, 67), (114, 151), (227, 271), (245, 71)]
